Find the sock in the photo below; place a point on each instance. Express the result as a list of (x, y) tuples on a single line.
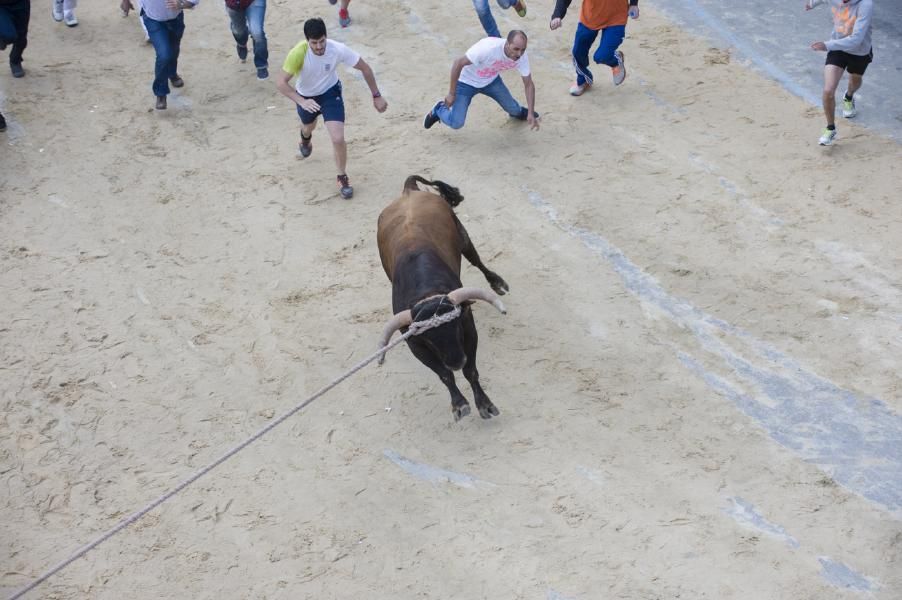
[(847, 97), (831, 127)]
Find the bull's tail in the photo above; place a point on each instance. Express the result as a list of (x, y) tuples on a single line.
[(450, 193)]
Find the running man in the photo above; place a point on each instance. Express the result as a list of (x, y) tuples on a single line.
[(488, 21), (608, 17), (318, 91), (848, 49), (477, 72)]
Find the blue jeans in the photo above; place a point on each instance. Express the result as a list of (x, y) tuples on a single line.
[(485, 15), (251, 18), (611, 38), (455, 116), (166, 37), (14, 28)]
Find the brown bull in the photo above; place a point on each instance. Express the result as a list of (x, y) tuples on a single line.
[(421, 242)]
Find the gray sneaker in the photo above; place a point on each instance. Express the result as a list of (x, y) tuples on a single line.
[(305, 147), (344, 186)]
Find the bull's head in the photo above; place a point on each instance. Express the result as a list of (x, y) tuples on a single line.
[(445, 340)]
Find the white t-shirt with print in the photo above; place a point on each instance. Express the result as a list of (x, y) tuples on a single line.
[(319, 72), (488, 58)]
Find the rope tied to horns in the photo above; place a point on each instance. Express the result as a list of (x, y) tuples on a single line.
[(415, 328)]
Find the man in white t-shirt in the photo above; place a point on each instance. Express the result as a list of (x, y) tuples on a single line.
[(318, 91), (477, 72)]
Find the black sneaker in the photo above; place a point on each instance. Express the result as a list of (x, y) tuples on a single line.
[(177, 81), (305, 147), (431, 118), (345, 187), (524, 112), (161, 102), (262, 73), (2, 122), (242, 52), (17, 69)]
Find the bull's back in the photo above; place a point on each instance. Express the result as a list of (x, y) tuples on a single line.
[(414, 222)]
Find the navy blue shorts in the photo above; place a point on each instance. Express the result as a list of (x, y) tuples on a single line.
[(331, 106)]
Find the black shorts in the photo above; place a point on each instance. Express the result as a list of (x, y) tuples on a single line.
[(852, 63)]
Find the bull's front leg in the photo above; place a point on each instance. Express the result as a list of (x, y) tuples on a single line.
[(486, 409), (459, 406)]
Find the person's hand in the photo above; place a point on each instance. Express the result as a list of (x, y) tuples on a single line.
[(634, 11), (819, 46), (449, 100), (172, 4), (555, 24), (380, 104), (533, 122), (310, 105), (126, 6)]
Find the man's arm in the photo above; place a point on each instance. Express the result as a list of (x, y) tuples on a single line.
[(283, 84), (378, 101), (530, 89), (456, 68)]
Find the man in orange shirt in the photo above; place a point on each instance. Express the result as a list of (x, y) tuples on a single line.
[(608, 17)]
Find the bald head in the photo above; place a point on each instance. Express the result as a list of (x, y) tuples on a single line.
[(515, 46)]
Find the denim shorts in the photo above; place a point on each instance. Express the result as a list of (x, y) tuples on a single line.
[(331, 106)]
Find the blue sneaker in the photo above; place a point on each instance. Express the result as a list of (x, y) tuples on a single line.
[(262, 73)]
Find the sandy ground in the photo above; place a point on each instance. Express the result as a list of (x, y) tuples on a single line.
[(698, 375)]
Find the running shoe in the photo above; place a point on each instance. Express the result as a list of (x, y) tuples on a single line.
[(520, 7), (848, 108), (828, 137), (70, 19), (344, 17), (305, 147), (431, 117), (262, 73), (57, 10), (344, 186), (619, 72), (578, 90)]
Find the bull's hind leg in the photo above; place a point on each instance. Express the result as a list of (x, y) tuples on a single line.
[(469, 251), (459, 406), (486, 409)]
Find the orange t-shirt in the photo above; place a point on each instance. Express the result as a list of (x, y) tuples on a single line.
[(598, 14)]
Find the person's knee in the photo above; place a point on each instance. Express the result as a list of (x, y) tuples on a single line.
[(455, 124)]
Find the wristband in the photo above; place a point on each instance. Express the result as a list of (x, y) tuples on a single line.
[(377, 95)]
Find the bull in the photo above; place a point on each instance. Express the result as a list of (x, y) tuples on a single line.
[(421, 242)]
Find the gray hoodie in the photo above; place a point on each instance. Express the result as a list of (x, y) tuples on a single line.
[(851, 25)]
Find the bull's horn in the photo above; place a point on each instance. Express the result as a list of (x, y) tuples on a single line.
[(472, 293), (402, 319)]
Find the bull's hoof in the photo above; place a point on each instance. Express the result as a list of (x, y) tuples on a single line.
[(460, 412), (499, 285), (488, 411)]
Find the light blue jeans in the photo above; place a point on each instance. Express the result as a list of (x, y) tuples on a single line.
[(485, 15), (250, 21), (455, 116)]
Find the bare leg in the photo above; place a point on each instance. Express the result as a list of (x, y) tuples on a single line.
[(832, 75), (853, 84), (337, 133)]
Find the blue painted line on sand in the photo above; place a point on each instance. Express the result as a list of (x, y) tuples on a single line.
[(745, 513), (855, 439), (841, 576), (433, 475)]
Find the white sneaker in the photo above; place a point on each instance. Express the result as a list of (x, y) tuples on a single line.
[(828, 137), (57, 10), (848, 107), (70, 19)]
